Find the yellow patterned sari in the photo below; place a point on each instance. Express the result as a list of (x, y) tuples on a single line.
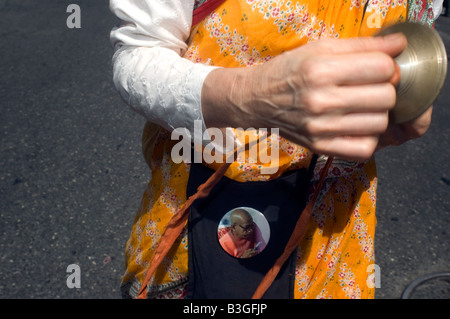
[(336, 257)]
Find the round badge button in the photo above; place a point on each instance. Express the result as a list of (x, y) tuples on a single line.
[(243, 232)]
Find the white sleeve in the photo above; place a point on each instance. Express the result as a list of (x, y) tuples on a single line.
[(437, 8), (148, 69)]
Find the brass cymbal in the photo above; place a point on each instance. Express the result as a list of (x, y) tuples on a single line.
[(423, 69)]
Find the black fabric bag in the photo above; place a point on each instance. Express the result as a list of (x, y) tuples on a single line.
[(214, 273)]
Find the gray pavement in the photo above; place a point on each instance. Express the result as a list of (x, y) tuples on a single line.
[(413, 237), (72, 174)]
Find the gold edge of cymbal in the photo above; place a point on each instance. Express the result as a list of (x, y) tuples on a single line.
[(413, 92)]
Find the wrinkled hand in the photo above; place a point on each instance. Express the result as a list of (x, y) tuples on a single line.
[(398, 134), (331, 96)]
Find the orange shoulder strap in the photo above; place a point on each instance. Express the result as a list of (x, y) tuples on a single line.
[(297, 235)]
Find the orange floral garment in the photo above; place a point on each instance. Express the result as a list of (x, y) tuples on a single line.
[(334, 260)]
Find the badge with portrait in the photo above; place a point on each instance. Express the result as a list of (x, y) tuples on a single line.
[(237, 233)]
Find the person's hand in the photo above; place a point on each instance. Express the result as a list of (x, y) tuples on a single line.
[(249, 253), (331, 96), (398, 134)]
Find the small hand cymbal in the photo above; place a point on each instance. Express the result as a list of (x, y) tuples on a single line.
[(423, 69)]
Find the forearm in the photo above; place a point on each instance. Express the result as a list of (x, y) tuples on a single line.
[(222, 95)]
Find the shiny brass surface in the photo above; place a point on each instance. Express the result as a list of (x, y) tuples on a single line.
[(423, 68)]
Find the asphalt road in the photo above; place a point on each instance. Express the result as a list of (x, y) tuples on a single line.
[(72, 174)]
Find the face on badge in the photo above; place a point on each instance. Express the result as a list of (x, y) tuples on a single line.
[(243, 232), (242, 224)]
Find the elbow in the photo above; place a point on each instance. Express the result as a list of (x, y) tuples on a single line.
[(122, 71), (127, 68)]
